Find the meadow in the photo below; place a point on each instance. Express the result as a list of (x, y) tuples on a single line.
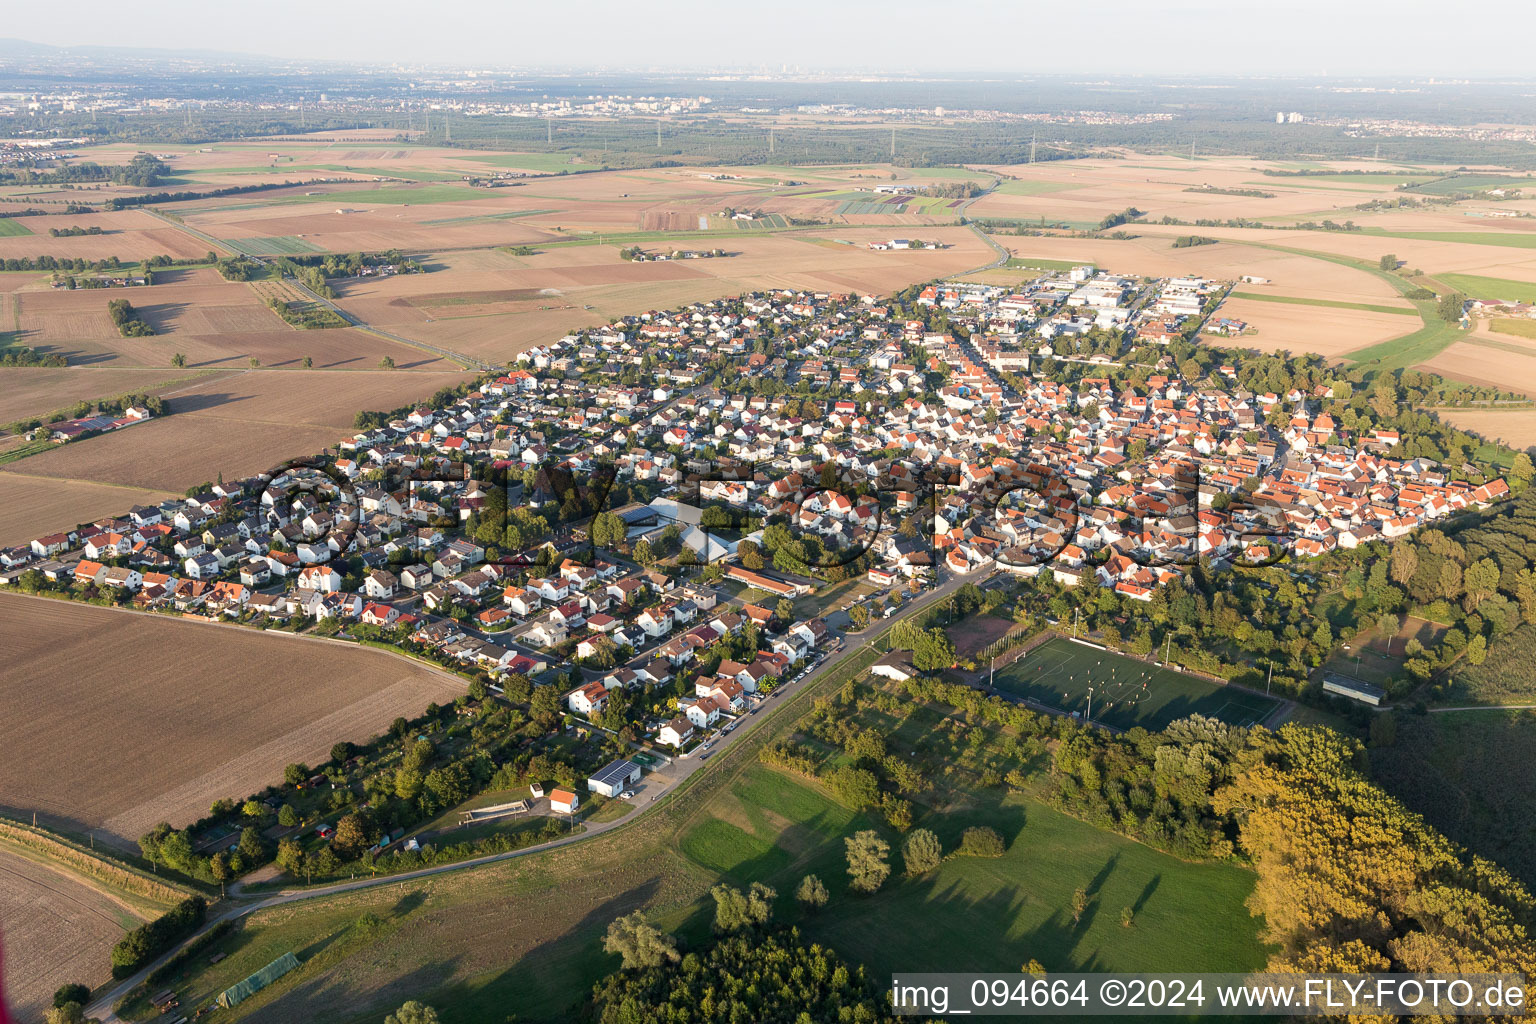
[(1125, 692), (744, 821), (1479, 287)]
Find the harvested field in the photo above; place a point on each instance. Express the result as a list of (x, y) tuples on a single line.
[(1496, 363), (180, 713), (1328, 331), (38, 390), (237, 425), (1515, 427), (34, 506), (438, 307), (57, 930)]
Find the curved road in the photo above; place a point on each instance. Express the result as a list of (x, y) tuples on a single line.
[(101, 1007)]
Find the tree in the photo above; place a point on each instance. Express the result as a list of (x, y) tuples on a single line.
[(922, 852), (1450, 306), (72, 993), (1079, 904), (295, 774), (251, 847), (640, 945), (859, 616), (1521, 468), (1477, 649), (290, 856), (867, 864), (307, 362), (735, 910), (254, 362), (1387, 262), (412, 1012), (387, 363), (69, 1013), (178, 360), (287, 816), (981, 841), (341, 752), (351, 836), (811, 893), (642, 553), (785, 610), (1127, 916)]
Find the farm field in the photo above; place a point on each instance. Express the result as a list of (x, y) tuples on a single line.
[(27, 391), (1479, 287), (129, 235), (35, 506), (492, 305), (237, 425), (1126, 692), (1328, 331), (1508, 325), (1481, 359), (180, 714), (1515, 427), (57, 929)]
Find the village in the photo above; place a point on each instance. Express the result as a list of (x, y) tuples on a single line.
[(790, 465)]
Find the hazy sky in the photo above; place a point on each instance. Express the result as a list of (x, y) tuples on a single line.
[(1300, 37)]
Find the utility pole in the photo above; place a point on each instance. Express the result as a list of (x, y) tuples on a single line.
[(1031, 147), (1090, 706), (893, 142), (1167, 647), (1270, 678)]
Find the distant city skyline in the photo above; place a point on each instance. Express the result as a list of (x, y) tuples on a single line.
[(1339, 38)]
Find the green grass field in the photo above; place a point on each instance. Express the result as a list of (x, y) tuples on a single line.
[(11, 227), (1384, 178), (547, 163), (1513, 239), (1035, 187), (278, 245), (1509, 325), (1037, 263), (1479, 287), (1468, 183), (397, 195), (1331, 303), (992, 914), (1126, 692)]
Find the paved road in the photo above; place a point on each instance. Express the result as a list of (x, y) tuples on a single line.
[(680, 770)]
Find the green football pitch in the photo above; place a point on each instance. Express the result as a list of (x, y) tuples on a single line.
[(1125, 692)]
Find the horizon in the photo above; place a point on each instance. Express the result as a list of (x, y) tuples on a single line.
[(1364, 40)]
